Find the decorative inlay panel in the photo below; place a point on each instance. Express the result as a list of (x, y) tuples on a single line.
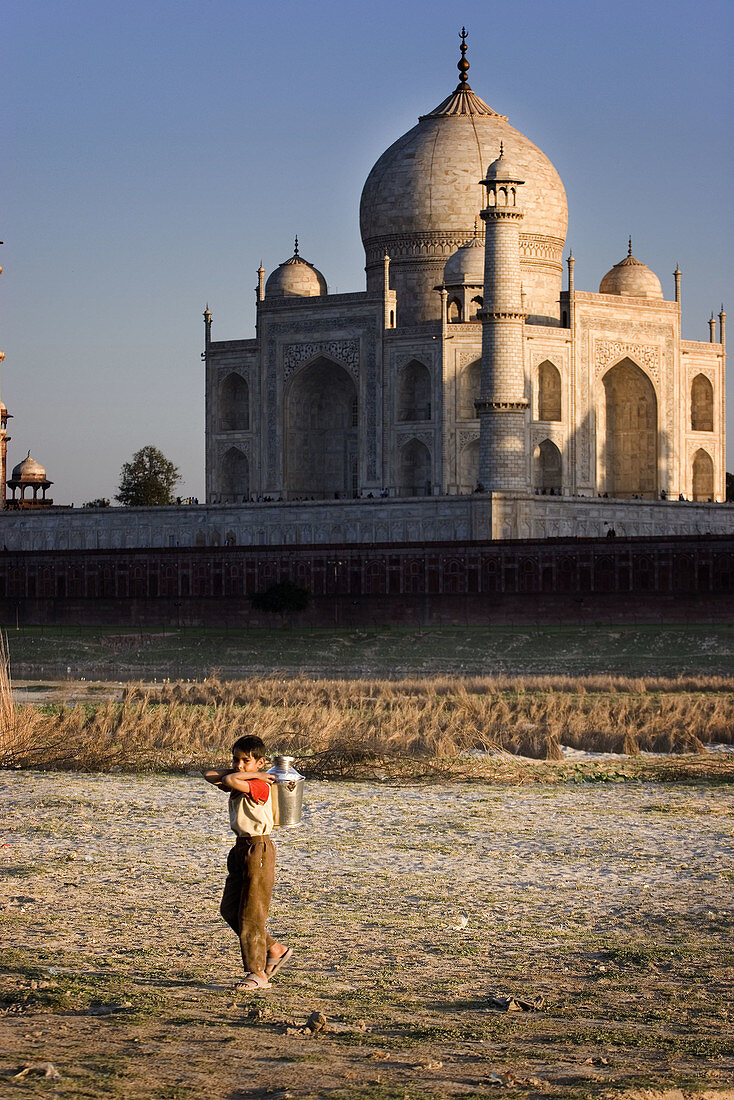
[(607, 352), (345, 352), (403, 437)]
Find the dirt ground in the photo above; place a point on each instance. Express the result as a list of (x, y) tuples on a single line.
[(409, 909)]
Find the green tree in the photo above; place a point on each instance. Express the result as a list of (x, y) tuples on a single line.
[(282, 599), (149, 478)]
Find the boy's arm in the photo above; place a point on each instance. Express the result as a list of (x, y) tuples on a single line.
[(227, 779), (235, 781), (217, 777)]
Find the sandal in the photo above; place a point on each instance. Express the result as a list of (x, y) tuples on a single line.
[(251, 983), (274, 966)]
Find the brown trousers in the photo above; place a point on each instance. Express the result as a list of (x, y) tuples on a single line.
[(246, 897)]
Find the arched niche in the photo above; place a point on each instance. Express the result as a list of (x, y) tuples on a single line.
[(703, 476), (414, 473), (320, 433), (469, 385), (454, 310), (549, 392), (469, 467), (234, 404), (629, 439), (547, 467), (414, 392), (702, 404), (234, 477), (475, 305)]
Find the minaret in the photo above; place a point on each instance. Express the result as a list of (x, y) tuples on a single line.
[(502, 402), (712, 328), (207, 327), (260, 292), (722, 327), (678, 276), (4, 439)]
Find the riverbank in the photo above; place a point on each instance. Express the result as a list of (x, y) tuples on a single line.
[(410, 909)]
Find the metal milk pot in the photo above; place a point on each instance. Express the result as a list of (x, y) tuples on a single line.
[(287, 793)]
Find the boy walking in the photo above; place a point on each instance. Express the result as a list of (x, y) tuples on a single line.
[(251, 863)]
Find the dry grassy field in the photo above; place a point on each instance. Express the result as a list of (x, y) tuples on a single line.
[(359, 728), (410, 908)]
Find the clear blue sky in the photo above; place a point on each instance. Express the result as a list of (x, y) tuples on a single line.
[(156, 151)]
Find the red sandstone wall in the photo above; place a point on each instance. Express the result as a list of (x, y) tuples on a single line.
[(561, 580)]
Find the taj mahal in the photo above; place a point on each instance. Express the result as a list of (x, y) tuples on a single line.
[(469, 362), (470, 391)]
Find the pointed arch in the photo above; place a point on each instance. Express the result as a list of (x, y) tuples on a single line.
[(629, 439), (469, 467), (414, 471), (414, 392), (320, 432), (549, 391), (455, 310), (234, 477), (703, 475), (234, 404), (702, 404), (469, 386), (547, 467)]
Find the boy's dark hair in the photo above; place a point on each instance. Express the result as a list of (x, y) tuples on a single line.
[(250, 744)]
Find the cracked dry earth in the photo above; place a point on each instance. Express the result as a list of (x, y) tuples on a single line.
[(409, 909)]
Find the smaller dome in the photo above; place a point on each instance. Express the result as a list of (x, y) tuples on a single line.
[(296, 278), (466, 265), (29, 470), (632, 278), (504, 169)]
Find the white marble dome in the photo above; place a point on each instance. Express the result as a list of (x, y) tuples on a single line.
[(632, 278), (466, 266), (422, 196), (29, 470), (295, 278)]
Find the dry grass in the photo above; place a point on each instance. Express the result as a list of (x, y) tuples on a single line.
[(340, 728), (17, 724)]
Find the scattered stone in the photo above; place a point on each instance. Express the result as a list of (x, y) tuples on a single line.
[(316, 1022), (515, 1004), (39, 1069)]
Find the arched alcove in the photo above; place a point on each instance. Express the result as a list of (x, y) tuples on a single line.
[(234, 477), (629, 444), (702, 404), (469, 384), (320, 433), (476, 304), (414, 474), (455, 310), (234, 404), (547, 467), (469, 467), (414, 392), (549, 392), (703, 476)]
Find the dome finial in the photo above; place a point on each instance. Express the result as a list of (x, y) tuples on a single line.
[(295, 247), (502, 148), (463, 64), (629, 247)]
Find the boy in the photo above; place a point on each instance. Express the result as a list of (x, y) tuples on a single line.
[(251, 863)]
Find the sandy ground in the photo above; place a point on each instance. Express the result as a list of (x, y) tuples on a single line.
[(408, 911)]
